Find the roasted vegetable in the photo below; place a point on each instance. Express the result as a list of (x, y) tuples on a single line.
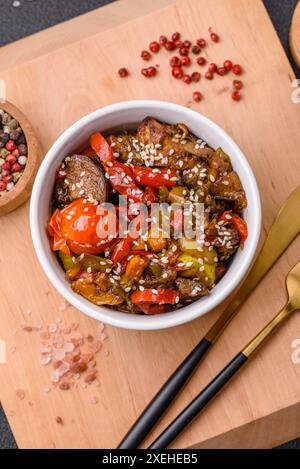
[(135, 268), (154, 177), (239, 224), (87, 288), (156, 239), (190, 288), (197, 249), (67, 260), (190, 267), (160, 296), (178, 195)]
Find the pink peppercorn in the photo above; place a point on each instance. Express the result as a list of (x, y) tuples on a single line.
[(10, 146), (5, 166), (16, 168), (11, 159)]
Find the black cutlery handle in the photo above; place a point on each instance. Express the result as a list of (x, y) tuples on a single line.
[(164, 397), (200, 401)]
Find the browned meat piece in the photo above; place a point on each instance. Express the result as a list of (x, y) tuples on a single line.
[(171, 137), (226, 242), (229, 188), (83, 178), (128, 148), (168, 276), (190, 288), (220, 162), (195, 176)]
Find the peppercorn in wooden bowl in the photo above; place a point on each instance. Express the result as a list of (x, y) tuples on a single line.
[(19, 157)]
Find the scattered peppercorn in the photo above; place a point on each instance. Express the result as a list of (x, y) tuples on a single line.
[(238, 84), (187, 44), (197, 96), (123, 72), (154, 47), (145, 55), (201, 42), (209, 75), (162, 40), (196, 76), (228, 64), (175, 61), (212, 68), (214, 37), (185, 61), (196, 50), (169, 45), (183, 51), (177, 72), (221, 71), (187, 79), (237, 69), (148, 72), (236, 95), (175, 36), (201, 61)]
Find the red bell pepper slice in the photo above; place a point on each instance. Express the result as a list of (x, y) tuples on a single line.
[(239, 224), (150, 195), (149, 308), (122, 249), (154, 177), (121, 179), (160, 296), (102, 148)]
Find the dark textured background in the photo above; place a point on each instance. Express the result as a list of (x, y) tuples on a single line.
[(34, 15)]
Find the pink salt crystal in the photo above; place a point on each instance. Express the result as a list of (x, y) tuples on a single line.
[(94, 400), (96, 346), (100, 328), (103, 336), (59, 354), (20, 393), (45, 349), (55, 376), (28, 312), (52, 328), (45, 359), (68, 347), (59, 340), (62, 306), (63, 369)]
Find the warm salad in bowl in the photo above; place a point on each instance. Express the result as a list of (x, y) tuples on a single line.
[(170, 237)]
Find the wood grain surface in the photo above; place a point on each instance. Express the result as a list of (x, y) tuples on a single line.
[(261, 407)]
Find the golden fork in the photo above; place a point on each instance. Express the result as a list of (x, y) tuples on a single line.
[(213, 388)]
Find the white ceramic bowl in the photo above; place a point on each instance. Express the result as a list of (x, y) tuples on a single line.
[(128, 114)]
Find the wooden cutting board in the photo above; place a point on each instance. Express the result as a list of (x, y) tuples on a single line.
[(261, 407)]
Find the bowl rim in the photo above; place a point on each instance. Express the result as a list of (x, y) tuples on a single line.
[(21, 192), (126, 320)]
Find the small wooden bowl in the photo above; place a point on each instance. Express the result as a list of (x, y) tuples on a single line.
[(21, 192), (295, 35)]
